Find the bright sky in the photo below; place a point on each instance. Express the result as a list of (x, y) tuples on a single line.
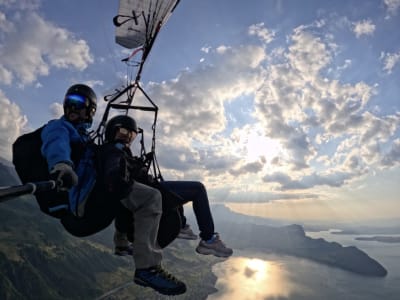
[(282, 108)]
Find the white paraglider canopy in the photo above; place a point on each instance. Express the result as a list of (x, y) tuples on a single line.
[(138, 21)]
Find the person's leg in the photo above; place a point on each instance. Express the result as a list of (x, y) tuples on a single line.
[(123, 225), (145, 203), (122, 246), (196, 192), (185, 232), (182, 215)]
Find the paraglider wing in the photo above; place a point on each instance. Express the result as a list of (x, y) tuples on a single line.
[(138, 21)]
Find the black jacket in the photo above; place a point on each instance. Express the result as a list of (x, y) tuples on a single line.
[(113, 182)]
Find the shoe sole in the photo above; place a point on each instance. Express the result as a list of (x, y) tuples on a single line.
[(123, 254), (187, 237), (212, 252), (168, 292)]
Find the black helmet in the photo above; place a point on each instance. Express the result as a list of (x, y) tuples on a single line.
[(87, 93), (117, 122)]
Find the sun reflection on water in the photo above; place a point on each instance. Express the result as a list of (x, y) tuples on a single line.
[(251, 278)]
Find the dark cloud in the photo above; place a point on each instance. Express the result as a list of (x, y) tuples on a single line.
[(309, 181), (252, 167)]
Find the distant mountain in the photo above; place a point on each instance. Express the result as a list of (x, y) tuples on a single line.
[(241, 232), (381, 239), (368, 230), (222, 213), (6, 162), (292, 240), (39, 260), (8, 176)]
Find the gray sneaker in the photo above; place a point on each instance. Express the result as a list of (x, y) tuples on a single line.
[(187, 233), (214, 246)]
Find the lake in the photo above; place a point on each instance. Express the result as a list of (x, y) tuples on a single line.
[(252, 274)]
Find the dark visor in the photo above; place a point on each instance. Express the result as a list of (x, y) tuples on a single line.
[(77, 101)]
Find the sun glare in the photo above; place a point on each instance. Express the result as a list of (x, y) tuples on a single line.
[(251, 278), (258, 146), (258, 267)]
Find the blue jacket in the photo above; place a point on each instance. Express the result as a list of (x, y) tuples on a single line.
[(64, 142), (57, 138)]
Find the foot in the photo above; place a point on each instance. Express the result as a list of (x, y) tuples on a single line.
[(159, 280), (124, 251), (187, 233), (214, 246)]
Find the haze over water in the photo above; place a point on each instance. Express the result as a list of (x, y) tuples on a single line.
[(255, 275)]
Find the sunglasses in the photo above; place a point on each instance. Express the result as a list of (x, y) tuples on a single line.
[(76, 101), (125, 131)]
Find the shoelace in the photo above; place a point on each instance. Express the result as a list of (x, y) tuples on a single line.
[(220, 242), (216, 239), (162, 273)]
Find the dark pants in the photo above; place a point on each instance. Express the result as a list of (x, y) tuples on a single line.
[(195, 192)]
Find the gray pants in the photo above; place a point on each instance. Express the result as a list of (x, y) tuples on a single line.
[(146, 205)]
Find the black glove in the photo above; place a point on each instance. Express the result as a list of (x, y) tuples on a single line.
[(64, 175)]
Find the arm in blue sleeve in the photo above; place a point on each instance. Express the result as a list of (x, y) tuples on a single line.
[(56, 137)]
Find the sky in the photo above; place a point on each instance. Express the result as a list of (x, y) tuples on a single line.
[(283, 109)]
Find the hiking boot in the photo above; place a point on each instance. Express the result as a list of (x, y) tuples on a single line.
[(159, 280), (124, 251), (214, 246), (187, 233)]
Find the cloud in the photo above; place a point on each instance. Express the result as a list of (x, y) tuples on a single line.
[(392, 7), (309, 181), (193, 103), (5, 25), (205, 49), (31, 46), (254, 195), (252, 167), (21, 4), (307, 54), (5, 76), (222, 49), (192, 116), (296, 106), (263, 33), (390, 60), (365, 27), (304, 110), (327, 131), (56, 110), (12, 123), (392, 158)]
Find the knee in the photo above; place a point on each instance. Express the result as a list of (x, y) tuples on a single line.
[(200, 187), (156, 200), (157, 195)]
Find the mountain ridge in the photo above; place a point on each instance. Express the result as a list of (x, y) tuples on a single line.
[(38, 258)]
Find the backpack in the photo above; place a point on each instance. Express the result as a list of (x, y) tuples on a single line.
[(27, 157), (31, 166)]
